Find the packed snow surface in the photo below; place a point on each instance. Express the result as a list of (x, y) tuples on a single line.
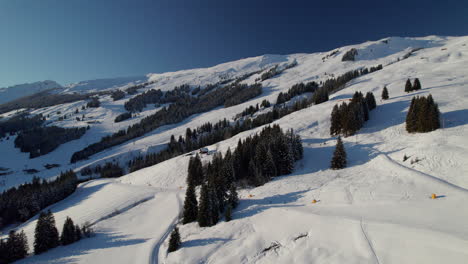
[(377, 210)]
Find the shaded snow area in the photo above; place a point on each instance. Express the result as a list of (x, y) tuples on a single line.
[(377, 210)]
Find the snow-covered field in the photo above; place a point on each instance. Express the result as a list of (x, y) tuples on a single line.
[(378, 210)]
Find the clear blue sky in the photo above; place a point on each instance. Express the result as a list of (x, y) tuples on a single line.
[(73, 40)]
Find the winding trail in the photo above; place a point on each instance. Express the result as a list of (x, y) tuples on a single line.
[(156, 253)]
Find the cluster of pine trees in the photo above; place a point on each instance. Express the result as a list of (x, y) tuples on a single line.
[(21, 203), (412, 87), (295, 90), (174, 113), (117, 95), (111, 170), (423, 115), (137, 103), (241, 93), (13, 248), (123, 117), (350, 55), (42, 140), (46, 237), (93, 103), (20, 122), (255, 161), (347, 119), (276, 70)]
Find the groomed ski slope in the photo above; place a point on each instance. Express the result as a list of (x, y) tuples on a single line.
[(378, 210)]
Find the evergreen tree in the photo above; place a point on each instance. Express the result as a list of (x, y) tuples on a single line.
[(3, 251), (255, 176), (285, 162), (174, 240), (204, 209), (408, 86), (335, 126), (339, 156), (16, 246), (411, 116), (68, 232), (190, 205), (370, 100), (195, 171), (78, 234), (416, 85), (233, 199), (46, 234), (228, 213), (385, 93), (269, 167), (423, 115)]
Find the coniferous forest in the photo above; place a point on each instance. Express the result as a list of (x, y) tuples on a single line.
[(254, 162), (174, 113), (21, 203)]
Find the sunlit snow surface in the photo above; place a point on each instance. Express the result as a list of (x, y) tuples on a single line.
[(378, 210)]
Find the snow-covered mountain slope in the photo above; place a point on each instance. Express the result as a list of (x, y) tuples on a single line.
[(13, 92), (377, 210), (102, 84)]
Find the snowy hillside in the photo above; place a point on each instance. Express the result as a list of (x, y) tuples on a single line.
[(377, 210), (13, 92)]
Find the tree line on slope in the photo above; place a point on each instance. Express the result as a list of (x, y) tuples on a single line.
[(277, 70), (174, 113), (42, 140), (20, 203), (223, 129), (222, 132)]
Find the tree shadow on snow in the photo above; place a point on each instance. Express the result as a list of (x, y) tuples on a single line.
[(250, 207), (454, 118), (385, 116), (70, 253), (203, 242)]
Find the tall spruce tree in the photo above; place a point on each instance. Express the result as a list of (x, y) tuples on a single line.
[(408, 86), (68, 232), (228, 213), (339, 156), (370, 100), (233, 198), (190, 205), (195, 171), (16, 246), (285, 162), (174, 240), (385, 93), (416, 85), (335, 126), (3, 251), (46, 234), (269, 167), (255, 176), (204, 208)]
